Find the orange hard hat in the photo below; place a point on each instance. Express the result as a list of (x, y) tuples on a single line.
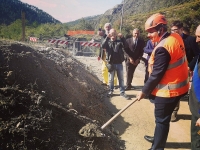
[(154, 21)]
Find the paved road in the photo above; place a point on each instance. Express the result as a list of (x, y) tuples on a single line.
[(138, 120)]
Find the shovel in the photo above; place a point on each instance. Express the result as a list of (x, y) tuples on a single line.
[(93, 130)]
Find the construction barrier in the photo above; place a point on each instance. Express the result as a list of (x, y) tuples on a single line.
[(95, 44), (33, 39), (82, 43), (57, 42), (78, 48)]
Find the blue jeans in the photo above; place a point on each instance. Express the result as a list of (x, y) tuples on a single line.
[(118, 68)]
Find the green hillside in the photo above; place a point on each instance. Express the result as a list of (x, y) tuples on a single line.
[(136, 13), (188, 13)]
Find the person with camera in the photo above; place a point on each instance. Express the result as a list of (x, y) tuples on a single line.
[(115, 57), (102, 55)]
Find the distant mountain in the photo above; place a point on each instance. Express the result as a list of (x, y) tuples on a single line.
[(10, 10), (135, 13)]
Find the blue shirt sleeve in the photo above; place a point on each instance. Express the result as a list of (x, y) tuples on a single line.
[(149, 47)]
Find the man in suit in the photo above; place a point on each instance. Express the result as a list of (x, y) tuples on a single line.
[(136, 46)]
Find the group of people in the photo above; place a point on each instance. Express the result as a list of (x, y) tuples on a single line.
[(114, 50), (170, 60)]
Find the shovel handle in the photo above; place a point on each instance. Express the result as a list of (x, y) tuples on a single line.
[(116, 115)]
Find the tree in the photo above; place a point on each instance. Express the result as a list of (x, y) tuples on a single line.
[(13, 31), (83, 25)]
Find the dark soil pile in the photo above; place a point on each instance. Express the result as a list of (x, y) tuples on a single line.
[(45, 95)]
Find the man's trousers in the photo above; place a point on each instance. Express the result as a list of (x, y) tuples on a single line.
[(163, 112)]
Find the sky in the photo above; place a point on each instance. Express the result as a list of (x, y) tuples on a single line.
[(70, 10)]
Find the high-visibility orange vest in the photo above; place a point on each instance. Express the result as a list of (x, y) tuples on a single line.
[(175, 80)]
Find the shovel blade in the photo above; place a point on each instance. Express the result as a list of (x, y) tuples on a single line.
[(91, 130)]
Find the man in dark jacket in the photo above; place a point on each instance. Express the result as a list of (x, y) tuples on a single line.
[(102, 55), (191, 48), (194, 100), (136, 46), (115, 57)]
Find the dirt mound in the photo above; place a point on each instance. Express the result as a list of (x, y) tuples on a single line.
[(44, 96)]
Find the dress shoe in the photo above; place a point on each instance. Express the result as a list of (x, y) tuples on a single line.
[(149, 138)]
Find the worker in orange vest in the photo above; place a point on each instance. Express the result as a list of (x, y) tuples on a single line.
[(168, 80)]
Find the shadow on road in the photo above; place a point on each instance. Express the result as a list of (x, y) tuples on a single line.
[(184, 117), (173, 145), (138, 88)]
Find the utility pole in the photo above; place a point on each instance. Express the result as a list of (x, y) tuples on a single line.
[(23, 25), (122, 13)]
